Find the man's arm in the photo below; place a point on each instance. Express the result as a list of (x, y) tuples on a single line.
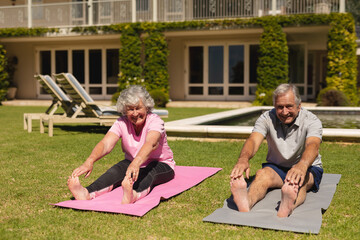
[(296, 175), (249, 149)]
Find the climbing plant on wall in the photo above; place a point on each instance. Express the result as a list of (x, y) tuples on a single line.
[(130, 57), (155, 66), (342, 59), (4, 77), (273, 66)]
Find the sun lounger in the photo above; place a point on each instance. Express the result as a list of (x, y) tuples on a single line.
[(92, 112), (60, 99)]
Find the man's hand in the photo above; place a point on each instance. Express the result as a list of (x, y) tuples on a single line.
[(296, 175), (240, 167)]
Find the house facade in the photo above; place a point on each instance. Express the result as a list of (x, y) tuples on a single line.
[(215, 64)]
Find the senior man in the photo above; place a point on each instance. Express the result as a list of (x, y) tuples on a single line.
[(293, 162)]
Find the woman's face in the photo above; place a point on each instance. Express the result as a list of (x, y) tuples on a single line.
[(137, 114)]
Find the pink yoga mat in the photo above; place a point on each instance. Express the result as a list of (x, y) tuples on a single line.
[(185, 178)]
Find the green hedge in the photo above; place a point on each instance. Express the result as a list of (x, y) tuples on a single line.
[(130, 57), (156, 64), (273, 68), (342, 59), (4, 76)]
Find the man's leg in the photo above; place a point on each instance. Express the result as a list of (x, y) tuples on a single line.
[(292, 196), (265, 179)]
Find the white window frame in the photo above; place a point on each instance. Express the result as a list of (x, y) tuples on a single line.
[(225, 97), (304, 96), (87, 83), (246, 85)]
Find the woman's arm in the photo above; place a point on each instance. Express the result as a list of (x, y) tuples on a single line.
[(104, 147), (151, 143)]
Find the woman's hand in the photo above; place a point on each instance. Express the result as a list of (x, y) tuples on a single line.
[(133, 171), (86, 168)]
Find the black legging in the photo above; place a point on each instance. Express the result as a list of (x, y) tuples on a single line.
[(153, 174)]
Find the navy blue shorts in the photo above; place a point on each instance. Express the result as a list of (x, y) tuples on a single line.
[(317, 173)]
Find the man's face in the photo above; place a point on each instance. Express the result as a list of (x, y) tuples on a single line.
[(286, 109)]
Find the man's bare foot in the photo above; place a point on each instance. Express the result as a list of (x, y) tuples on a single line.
[(127, 185), (78, 191), (240, 194), (289, 193)]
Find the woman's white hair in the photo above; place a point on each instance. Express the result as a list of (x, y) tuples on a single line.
[(131, 96)]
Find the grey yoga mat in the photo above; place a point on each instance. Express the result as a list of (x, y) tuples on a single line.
[(306, 218)]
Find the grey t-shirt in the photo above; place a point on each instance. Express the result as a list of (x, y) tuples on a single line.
[(286, 143)]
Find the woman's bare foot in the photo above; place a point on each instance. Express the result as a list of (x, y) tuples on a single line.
[(78, 191), (239, 192), (289, 193), (129, 195)]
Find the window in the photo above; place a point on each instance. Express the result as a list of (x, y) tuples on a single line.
[(112, 69), (45, 66), (297, 67), (254, 60), (216, 72), (96, 69), (61, 61), (142, 5), (78, 65)]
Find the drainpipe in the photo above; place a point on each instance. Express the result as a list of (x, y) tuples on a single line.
[(155, 10), (133, 10), (90, 11), (273, 7), (342, 6), (29, 12)]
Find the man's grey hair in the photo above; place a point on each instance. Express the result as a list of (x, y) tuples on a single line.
[(284, 88), (131, 96)]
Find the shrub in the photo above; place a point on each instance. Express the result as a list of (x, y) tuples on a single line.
[(330, 96), (115, 97), (264, 97), (342, 60), (130, 57), (156, 62), (4, 76), (273, 67), (160, 98)]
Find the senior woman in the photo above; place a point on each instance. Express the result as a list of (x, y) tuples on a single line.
[(148, 157)]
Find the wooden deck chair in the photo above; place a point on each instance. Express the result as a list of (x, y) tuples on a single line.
[(82, 99), (86, 104), (60, 99), (92, 113)]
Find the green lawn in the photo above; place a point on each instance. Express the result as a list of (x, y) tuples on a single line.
[(34, 170)]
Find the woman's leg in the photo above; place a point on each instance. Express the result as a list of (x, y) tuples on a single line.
[(110, 180), (154, 174)]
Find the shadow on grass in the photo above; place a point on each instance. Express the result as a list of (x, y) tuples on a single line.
[(83, 129)]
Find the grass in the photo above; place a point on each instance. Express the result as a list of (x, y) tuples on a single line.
[(34, 169)]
